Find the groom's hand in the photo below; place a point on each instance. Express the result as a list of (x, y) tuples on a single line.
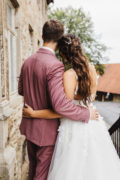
[(94, 115)]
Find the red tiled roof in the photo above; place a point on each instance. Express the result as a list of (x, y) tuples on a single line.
[(110, 81)]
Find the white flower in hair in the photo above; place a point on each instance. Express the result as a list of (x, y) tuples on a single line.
[(68, 42)]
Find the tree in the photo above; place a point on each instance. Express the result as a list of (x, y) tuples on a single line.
[(77, 22)]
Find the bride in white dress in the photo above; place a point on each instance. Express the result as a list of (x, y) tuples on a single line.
[(83, 151)]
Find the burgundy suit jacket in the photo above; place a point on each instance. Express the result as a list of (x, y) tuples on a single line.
[(41, 84)]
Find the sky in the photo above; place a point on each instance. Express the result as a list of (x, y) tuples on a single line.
[(105, 15)]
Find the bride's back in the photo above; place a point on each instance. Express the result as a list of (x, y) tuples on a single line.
[(93, 76)]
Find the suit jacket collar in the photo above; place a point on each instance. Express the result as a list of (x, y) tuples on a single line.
[(45, 51)]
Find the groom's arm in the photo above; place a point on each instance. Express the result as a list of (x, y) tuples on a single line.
[(59, 100)]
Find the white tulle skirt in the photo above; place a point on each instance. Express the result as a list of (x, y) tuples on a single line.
[(84, 152)]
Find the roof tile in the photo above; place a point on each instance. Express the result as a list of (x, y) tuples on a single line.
[(110, 81)]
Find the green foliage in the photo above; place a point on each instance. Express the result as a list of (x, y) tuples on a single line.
[(100, 68), (77, 22)]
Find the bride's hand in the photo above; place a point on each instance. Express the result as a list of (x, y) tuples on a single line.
[(28, 112)]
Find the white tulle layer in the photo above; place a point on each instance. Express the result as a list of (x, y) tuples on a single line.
[(84, 152)]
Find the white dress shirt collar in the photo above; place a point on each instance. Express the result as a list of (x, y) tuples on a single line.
[(47, 48)]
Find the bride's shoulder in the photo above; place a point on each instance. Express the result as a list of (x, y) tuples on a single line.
[(92, 67), (70, 73), (70, 83), (92, 70)]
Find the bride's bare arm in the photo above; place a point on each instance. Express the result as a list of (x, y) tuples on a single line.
[(69, 82), (93, 81)]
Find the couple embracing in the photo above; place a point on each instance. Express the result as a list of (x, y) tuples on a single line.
[(66, 137)]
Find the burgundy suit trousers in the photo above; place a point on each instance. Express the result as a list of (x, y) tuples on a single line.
[(39, 160)]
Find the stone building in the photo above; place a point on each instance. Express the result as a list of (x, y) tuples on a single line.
[(20, 35)]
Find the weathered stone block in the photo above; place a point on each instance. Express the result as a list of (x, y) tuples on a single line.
[(7, 161)]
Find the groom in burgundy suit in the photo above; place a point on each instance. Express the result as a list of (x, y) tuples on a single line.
[(41, 84)]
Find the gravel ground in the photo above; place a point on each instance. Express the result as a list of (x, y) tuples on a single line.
[(109, 110)]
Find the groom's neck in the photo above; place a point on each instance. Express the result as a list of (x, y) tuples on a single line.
[(51, 45)]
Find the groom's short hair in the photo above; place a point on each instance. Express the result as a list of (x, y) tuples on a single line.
[(53, 30)]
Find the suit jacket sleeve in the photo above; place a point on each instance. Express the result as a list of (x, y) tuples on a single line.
[(20, 83), (58, 98)]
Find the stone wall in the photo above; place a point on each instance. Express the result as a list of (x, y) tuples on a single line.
[(29, 16)]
